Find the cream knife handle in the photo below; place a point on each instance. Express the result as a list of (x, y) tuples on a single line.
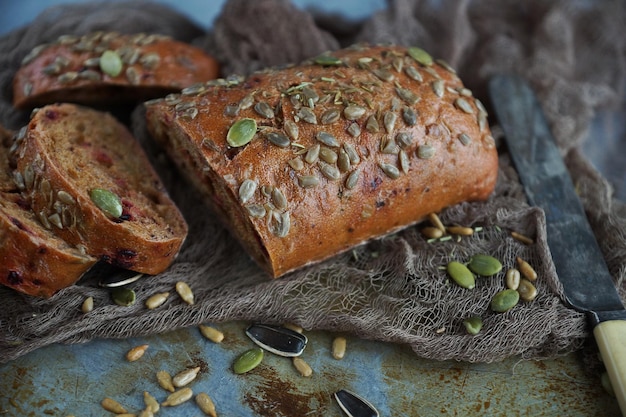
[(611, 339)]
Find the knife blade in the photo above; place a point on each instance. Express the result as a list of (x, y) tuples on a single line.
[(577, 257)]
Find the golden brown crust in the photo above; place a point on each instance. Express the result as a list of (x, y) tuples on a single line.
[(68, 70), (422, 143), (67, 152)]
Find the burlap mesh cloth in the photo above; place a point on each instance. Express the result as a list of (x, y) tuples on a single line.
[(392, 289)]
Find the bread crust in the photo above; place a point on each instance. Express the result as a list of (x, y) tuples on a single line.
[(68, 151), (422, 143), (67, 70)]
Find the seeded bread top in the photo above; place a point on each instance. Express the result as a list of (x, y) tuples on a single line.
[(108, 67)]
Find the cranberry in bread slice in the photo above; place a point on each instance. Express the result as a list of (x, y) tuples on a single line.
[(100, 68), (91, 183), (306, 162)]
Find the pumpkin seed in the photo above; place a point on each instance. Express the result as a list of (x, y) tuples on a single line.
[(327, 60), (156, 300), (353, 112), (302, 367), (308, 181), (113, 406), (328, 155), (211, 333), (277, 339), (420, 56), (205, 404), (526, 270), (484, 265), (461, 274), (473, 325), (178, 397), (136, 353), (185, 377), (241, 132), (123, 296), (425, 151), (151, 403), (527, 291), (339, 347), (248, 360), (111, 63), (165, 381), (354, 405), (512, 279), (504, 300), (107, 201), (87, 305), (183, 289), (327, 139)]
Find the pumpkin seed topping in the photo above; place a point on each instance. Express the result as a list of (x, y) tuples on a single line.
[(107, 201), (111, 63), (420, 56), (241, 132), (327, 60)]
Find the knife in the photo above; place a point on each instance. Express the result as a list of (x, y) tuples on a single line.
[(579, 263)]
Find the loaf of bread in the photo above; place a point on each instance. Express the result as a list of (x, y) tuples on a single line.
[(101, 68), (308, 161), (34, 260), (88, 180)]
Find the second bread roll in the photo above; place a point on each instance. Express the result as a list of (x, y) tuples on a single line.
[(309, 161)]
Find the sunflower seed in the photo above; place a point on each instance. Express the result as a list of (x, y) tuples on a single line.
[(397, 64), (353, 112), (206, 405), (256, 210), (292, 129), (18, 179), (231, 110), (425, 151), (420, 56), (328, 155), (389, 120), (409, 116), (150, 61), (184, 291), (52, 69), (67, 77), (327, 139), (465, 139), (330, 171), (157, 300), (136, 353), (463, 105), (165, 381), (296, 164), (241, 132), (407, 95), (178, 397), (388, 145), (55, 219), (522, 238), (526, 270), (527, 291), (112, 277), (355, 406), (312, 154), (404, 139), (438, 88), (383, 74), (264, 110), (431, 232), (390, 170), (512, 278), (432, 72), (327, 60), (343, 161), (133, 76), (307, 115), (339, 347), (355, 159), (277, 339), (151, 403), (87, 305), (34, 53), (354, 130), (403, 161), (185, 377), (211, 333), (352, 179), (413, 73), (282, 225), (308, 181), (113, 406), (279, 199), (279, 139), (372, 124), (302, 367)]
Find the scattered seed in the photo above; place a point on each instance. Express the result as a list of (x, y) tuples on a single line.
[(431, 232), (308, 181), (420, 56), (302, 367), (136, 353), (246, 190), (151, 403), (339, 347), (111, 63), (527, 291), (461, 274), (205, 404), (165, 381), (526, 270), (87, 305), (354, 130), (106, 201), (473, 325), (178, 397), (185, 377), (241, 132), (355, 406), (277, 339), (403, 161), (484, 265), (211, 333), (407, 95), (436, 221), (183, 289), (67, 77), (113, 406), (156, 300), (256, 210), (123, 296), (504, 300), (327, 60), (463, 105), (460, 230), (296, 164), (248, 360), (388, 145), (343, 161), (512, 278), (279, 139), (521, 238), (425, 151), (372, 124)]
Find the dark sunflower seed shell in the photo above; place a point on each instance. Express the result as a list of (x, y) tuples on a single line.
[(355, 406), (276, 339)]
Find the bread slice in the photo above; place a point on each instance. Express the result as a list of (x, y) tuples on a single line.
[(34, 260), (100, 68), (68, 155)]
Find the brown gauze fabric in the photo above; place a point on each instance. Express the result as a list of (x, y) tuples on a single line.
[(392, 289)]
